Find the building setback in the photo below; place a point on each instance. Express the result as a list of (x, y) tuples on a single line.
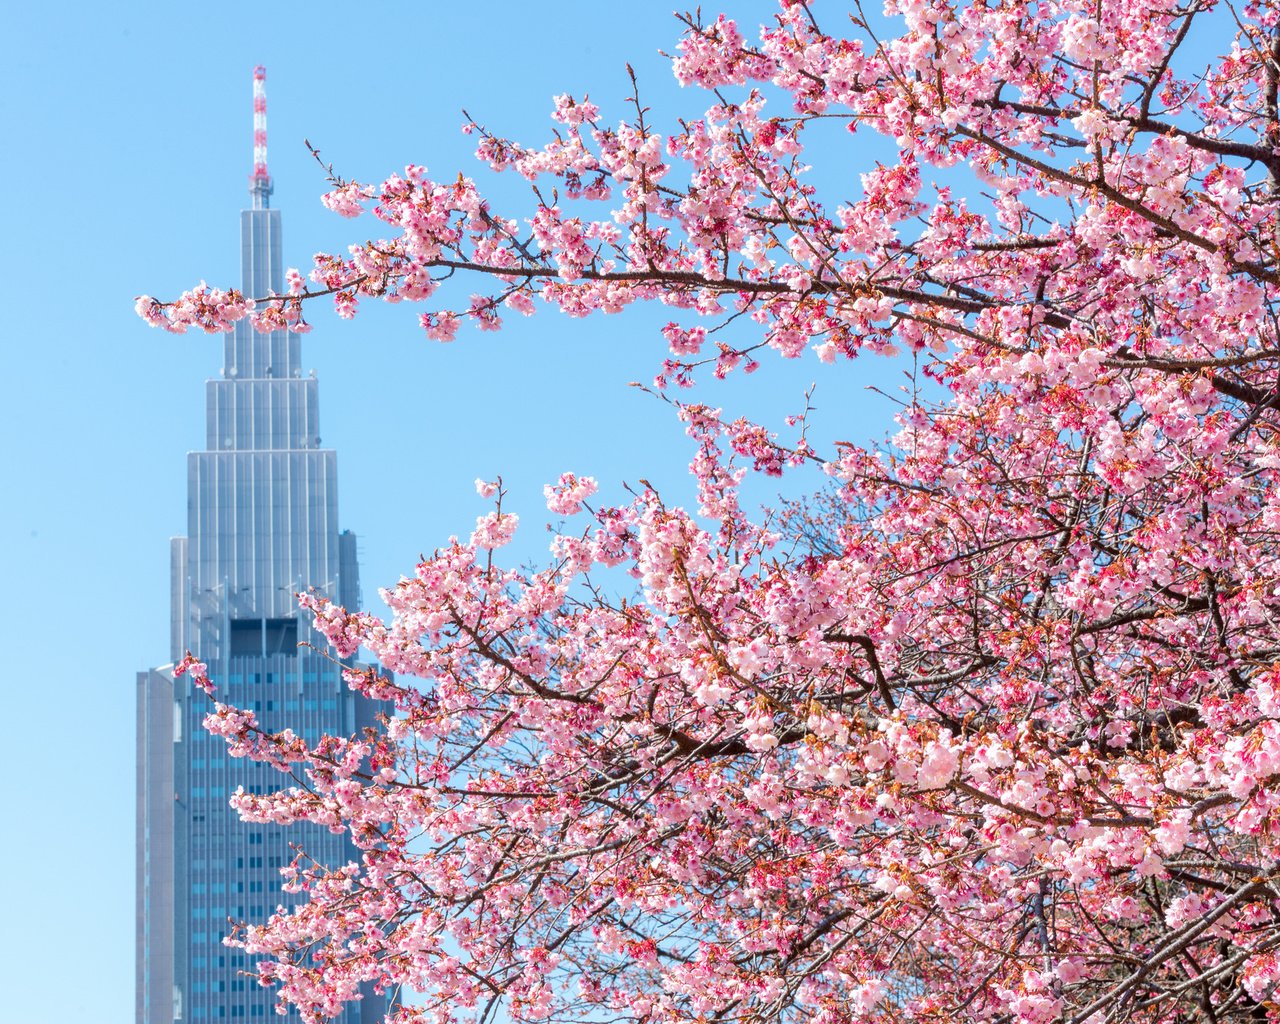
[(262, 524)]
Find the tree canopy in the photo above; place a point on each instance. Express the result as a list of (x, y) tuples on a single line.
[(991, 730)]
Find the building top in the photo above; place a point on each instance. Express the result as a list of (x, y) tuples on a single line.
[(260, 180)]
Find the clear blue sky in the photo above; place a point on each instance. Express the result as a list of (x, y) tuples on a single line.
[(127, 143)]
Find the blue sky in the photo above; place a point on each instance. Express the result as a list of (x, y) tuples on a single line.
[(128, 152)]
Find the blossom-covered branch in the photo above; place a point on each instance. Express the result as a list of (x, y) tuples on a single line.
[(989, 730)]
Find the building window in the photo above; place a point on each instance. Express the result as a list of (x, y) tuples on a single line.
[(246, 637), (258, 637)]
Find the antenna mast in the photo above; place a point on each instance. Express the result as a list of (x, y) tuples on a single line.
[(260, 180)]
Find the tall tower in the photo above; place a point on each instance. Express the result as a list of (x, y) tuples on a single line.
[(262, 514)]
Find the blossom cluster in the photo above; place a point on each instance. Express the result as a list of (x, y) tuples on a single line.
[(988, 730)]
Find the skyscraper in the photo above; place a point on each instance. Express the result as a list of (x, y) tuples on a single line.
[(262, 514)]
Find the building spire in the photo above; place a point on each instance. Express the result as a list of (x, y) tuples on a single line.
[(260, 180)]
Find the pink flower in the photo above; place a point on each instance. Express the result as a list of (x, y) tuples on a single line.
[(494, 530), (346, 199), (566, 497)]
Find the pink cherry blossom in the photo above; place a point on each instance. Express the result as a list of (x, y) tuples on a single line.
[(494, 530), (987, 730), (566, 497)]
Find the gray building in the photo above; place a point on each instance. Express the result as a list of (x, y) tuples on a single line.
[(262, 524)]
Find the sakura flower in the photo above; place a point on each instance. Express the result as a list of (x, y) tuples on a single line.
[(566, 497), (494, 530)]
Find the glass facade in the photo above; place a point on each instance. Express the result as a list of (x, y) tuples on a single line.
[(262, 524)]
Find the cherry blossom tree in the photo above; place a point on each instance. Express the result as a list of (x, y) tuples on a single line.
[(989, 731)]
